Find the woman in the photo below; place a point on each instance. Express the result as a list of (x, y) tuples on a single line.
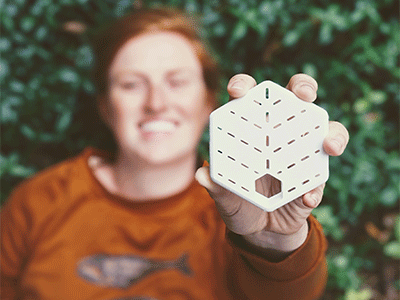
[(139, 226)]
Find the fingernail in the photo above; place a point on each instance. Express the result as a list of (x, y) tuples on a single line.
[(307, 86), (237, 85)]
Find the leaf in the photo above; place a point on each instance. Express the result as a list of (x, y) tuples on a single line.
[(68, 75), (392, 249), (5, 44), (397, 228), (3, 68), (28, 132), (291, 38), (238, 33), (325, 34), (365, 294), (389, 197), (64, 121), (27, 23), (377, 97)]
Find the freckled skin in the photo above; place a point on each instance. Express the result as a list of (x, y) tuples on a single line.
[(157, 76)]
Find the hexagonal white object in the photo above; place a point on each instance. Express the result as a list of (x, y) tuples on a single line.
[(268, 133)]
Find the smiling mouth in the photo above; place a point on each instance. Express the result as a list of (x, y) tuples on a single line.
[(158, 126)]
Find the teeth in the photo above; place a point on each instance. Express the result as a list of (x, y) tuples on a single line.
[(158, 126)]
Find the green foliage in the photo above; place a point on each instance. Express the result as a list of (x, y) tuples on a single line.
[(365, 294), (344, 264), (351, 48), (392, 248)]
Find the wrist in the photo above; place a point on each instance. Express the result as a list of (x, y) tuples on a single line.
[(277, 245)]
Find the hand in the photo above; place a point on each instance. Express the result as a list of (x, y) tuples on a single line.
[(246, 219)]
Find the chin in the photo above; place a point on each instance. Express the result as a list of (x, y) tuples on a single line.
[(163, 158)]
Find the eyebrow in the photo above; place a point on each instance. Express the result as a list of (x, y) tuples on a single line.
[(182, 70), (143, 75)]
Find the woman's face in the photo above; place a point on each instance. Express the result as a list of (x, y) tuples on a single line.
[(157, 103)]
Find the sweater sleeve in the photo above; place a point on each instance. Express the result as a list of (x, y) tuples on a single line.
[(15, 225), (302, 275)]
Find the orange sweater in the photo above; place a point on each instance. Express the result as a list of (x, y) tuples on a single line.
[(63, 236)]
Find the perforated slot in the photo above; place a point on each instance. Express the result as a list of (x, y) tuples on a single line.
[(268, 185), (267, 164), (305, 181), (258, 150), (244, 119), (292, 189), (305, 134), (231, 181), (258, 126), (305, 157), (232, 112), (266, 93), (257, 102), (277, 125), (267, 117), (290, 118), (317, 151), (291, 142), (277, 102), (231, 134), (231, 158), (291, 166), (244, 165), (267, 141), (244, 142), (244, 189), (219, 151), (277, 149)]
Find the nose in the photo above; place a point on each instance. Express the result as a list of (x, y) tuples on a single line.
[(156, 101)]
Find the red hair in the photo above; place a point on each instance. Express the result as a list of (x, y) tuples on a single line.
[(141, 21)]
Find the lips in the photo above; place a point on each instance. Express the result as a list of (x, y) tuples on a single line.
[(158, 126)]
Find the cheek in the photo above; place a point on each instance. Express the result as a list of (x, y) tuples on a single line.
[(124, 105), (195, 106)]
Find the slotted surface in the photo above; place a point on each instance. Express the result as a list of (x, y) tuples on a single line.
[(268, 132)]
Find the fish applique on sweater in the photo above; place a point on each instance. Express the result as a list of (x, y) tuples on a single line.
[(124, 270)]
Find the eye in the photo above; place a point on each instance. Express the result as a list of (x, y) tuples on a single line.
[(131, 84), (178, 82)]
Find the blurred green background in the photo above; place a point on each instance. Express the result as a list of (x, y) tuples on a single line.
[(350, 47)]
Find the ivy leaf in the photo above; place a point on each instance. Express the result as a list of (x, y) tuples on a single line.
[(392, 249), (239, 31)]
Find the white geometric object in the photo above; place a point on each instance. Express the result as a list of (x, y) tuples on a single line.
[(268, 133)]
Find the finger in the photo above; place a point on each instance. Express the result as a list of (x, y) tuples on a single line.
[(336, 140), (303, 86), (203, 178), (217, 192), (314, 197), (239, 85)]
